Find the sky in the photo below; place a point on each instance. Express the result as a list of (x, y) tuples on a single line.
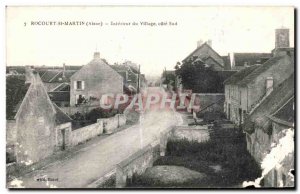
[(231, 29)]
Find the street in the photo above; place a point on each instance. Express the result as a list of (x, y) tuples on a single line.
[(90, 163)]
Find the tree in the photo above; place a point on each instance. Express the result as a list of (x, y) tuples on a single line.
[(198, 76)]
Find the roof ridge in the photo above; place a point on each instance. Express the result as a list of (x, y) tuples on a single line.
[(55, 76), (260, 69)]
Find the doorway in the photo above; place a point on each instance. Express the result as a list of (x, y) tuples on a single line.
[(63, 136), (240, 116)]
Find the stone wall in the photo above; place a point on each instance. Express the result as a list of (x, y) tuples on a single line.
[(85, 133), (135, 164), (112, 123), (191, 133), (67, 127), (71, 110), (210, 102), (259, 145)]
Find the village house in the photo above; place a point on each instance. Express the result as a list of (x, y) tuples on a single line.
[(246, 88), (32, 120), (53, 78), (243, 60), (205, 53), (266, 125), (132, 78), (92, 81)]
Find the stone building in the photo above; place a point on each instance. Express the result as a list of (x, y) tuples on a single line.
[(246, 88), (266, 125), (93, 80), (32, 121), (243, 60), (209, 56)]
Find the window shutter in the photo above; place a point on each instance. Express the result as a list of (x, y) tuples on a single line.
[(83, 85), (75, 85)]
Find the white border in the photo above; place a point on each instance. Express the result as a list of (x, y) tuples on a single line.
[(113, 2)]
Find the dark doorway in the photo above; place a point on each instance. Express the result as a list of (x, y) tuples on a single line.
[(63, 136), (240, 116)]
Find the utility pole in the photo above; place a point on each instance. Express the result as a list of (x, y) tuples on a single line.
[(138, 86)]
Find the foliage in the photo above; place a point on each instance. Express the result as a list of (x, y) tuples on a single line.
[(169, 79), (227, 148), (15, 92), (81, 120), (97, 113), (199, 77)]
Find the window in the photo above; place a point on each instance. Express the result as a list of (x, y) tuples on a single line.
[(79, 85)]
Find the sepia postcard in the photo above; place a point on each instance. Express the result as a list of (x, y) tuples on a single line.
[(143, 97)]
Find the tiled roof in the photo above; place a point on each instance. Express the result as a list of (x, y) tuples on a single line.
[(97, 67), (278, 97), (240, 75), (225, 75), (60, 116), (62, 87), (204, 44), (242, 59), (287, 112), (49, 74), (59, 77), (262, 68), (119, 67), (54, 76), (16, 90), (60, 96)]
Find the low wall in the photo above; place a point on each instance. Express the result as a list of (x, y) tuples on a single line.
[(135, 164), (85, 133), (100, 183), (191, 133), (112, 123), (59, 137), (209, 102), (81, 109), (138, 162)]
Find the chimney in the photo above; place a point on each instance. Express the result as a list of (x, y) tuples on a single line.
[(209, 42), (64, 70), (199, 43), (282, 38), (96, 55)]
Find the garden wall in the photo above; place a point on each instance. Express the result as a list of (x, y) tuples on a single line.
[(85, 133), (112, 123)]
